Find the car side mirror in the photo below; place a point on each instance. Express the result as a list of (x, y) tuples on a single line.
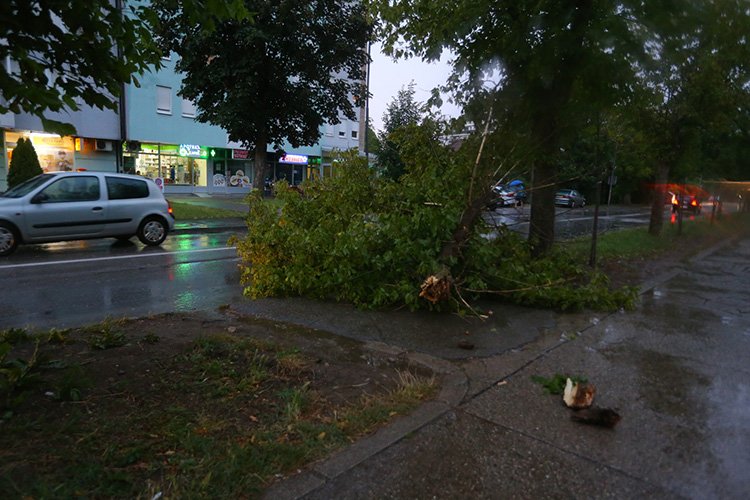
[(39, 198)]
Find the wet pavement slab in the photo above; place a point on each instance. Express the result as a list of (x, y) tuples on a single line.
[(676, 370), (506, 328)]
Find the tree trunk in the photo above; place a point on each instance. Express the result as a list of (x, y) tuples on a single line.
[(461, 234), (657, 202), (437, 287), (550, 102), (542, 221), (259, 157)]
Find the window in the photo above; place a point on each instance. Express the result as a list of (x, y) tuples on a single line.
[(342, 131), (83, 188), (354, 134), (329, 130), (163, 100), (188, 108), (119, 188), (13, 68)]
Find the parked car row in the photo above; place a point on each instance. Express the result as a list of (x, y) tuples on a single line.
[(63, 206), (514, 194)]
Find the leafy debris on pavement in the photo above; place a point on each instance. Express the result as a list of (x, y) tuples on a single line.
[(556, 384)]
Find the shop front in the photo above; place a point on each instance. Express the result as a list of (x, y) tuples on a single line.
[(179, 168), (232, 172), (55, 153), (292, 168)]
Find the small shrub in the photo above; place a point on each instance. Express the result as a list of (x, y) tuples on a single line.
[(105, 335), (151, 338), (24, 163), (59, 336), (16, 376), (73, 382), (14, 336)]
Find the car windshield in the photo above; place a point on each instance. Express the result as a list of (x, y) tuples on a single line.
[(26, 187)]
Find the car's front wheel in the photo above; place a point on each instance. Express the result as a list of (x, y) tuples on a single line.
[(8, 239), (152, 231)]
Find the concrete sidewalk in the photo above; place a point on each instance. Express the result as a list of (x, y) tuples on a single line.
[(676, 370)]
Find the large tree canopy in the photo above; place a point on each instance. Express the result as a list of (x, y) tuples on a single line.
[(64, 53), (298, 65), (553, 62), (699, 89)]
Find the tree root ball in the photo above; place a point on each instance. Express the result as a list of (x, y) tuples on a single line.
[(436, 289)]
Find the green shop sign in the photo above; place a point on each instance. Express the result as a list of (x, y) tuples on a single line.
[(192, 151)]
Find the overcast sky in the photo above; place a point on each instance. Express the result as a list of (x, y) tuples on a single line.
[(388, 77)]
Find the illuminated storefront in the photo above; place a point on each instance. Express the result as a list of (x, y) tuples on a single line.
[(183, 165), (55, 153)]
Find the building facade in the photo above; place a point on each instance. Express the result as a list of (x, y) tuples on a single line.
[(155, 134)]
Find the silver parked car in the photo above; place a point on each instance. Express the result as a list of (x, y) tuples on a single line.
[(569, 198), (63, 206)]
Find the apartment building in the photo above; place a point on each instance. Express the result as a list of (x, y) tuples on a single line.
[(155, 134)]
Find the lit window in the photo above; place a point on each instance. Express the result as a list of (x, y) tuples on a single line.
[(188, 108), (163, 100)]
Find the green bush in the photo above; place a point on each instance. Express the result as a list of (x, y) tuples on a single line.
[(372, 242), (24, 163)]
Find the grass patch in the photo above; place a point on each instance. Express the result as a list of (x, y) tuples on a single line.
[(187, 211), (637, 242), (216, 417)]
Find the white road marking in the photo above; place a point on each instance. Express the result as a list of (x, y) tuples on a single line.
[(118, 257)]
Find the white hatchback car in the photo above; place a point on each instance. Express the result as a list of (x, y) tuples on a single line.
[(63, 206)]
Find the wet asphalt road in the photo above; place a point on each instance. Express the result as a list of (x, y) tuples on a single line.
[(76, 283)]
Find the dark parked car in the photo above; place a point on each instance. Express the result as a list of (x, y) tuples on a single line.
[(64, 206), (520, 191), (569, 198)]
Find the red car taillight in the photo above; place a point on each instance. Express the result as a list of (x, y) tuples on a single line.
[(169, 208)]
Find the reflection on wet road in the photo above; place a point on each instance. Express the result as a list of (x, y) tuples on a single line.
[(73, 283), (571, 222)]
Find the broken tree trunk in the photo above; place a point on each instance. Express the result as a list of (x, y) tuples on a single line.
[(437, 287)]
